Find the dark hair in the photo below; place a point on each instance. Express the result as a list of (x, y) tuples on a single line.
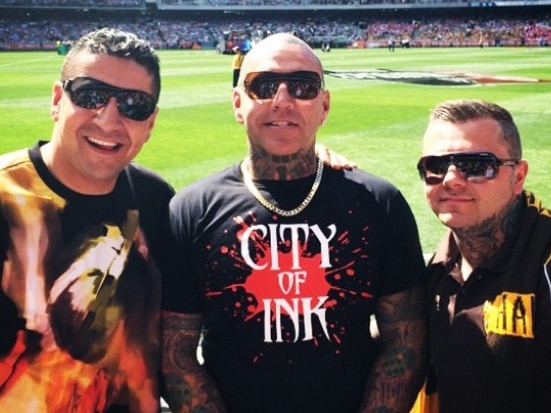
[(456, 111), (117, 43)]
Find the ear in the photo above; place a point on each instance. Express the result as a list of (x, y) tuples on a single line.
[(236, 103), (57, 94), (521, 171), (326, 104)]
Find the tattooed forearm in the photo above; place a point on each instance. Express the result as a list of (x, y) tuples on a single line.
[(187, 387), (397, 375)]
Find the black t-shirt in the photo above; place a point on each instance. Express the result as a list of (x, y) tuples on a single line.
[(286, 301)]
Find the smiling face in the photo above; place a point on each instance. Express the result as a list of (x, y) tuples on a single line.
[(461, 204), (283, 125), (89, 147)]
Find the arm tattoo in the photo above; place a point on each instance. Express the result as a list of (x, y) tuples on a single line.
[(398, 372), (187, 386)]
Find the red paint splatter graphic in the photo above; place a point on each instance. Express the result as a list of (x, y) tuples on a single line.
[(295, 273), (267, 285)]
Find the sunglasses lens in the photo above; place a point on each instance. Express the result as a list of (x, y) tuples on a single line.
[(300, 85), (433, 168), (263, 88), (133, 104), (303, 88), (476, 169), (437, 165), (90, 98)]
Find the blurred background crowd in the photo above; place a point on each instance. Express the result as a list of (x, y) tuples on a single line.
[(218, 24)]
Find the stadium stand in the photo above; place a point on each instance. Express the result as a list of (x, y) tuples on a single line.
[(209, 24), (138, 4)]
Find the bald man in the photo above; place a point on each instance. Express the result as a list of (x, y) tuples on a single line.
[(283, 262)]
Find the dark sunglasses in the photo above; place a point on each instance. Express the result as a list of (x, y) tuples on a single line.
[(90, 93), (304, 85), (473, 166)]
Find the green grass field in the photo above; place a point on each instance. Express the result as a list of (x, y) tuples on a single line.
[(377, 123)]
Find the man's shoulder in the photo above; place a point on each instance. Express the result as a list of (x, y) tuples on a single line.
[(535, 225), (213, 182), (372, 182), (148, 186), (138, 172), (367, 175), (216, 188), (535, 204), (14, 158)]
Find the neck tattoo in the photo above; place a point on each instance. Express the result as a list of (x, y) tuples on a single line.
[(248, 179)]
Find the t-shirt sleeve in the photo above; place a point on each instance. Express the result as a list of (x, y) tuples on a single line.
[(181, 290), (404, 266)]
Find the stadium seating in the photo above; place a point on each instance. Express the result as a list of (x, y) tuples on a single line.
[(171, 24)]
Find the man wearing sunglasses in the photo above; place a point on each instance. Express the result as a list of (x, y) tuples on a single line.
[(283, 262), (81, 234), (490, 278)]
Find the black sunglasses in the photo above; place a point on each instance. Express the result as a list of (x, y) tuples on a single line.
[(473, 166), (90, 93), (304, 84)]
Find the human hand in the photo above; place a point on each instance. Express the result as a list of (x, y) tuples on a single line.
[(333, 159)]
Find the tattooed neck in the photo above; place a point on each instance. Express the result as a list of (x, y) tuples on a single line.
[(277, 167), (480, 242)]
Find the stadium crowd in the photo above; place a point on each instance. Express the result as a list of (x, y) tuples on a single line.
[(74, 3), (249, 3), (19, 34), (141, 3)]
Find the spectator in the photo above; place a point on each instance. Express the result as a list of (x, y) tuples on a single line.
[(489, 297), (282, 294)]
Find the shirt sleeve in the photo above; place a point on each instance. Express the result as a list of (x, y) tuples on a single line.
[(404, 266), (181, 291)]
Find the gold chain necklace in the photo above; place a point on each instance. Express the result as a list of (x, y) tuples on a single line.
[(248, 179)]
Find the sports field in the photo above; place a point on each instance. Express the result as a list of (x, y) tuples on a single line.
[(378, 123)]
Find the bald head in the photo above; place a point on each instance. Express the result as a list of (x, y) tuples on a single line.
[(284, 102), (281, 52)]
